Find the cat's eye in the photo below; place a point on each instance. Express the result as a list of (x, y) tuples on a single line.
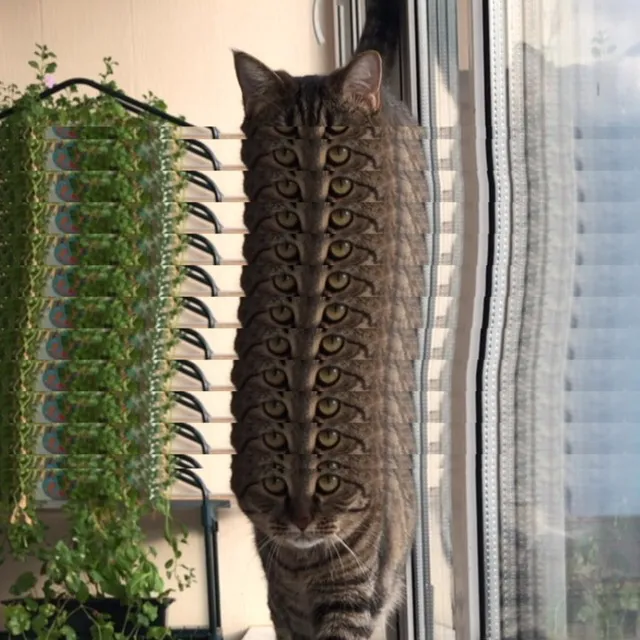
[(335, 312), (340, 249), (328, 465), (275, 409), (278, 346), (275, 440), (340, 218), (288, 220), (275, 377), (286, 130), (327, 483), (338, 281), (281, 314), (338, 155), (328, 376), (331, 345), (276, 486), (287, 188), (287, 251), (285, 283), (285, 157), (337, 130), (340, 187), (328, 438), (328, 407)]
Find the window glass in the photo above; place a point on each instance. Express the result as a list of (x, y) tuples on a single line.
[(561, 495)]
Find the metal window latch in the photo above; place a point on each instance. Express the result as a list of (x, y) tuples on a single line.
[(317, 26), (348, 22)]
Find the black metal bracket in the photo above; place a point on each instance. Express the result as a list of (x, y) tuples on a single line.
[(189, 432), (210, 524), (198, 148), (185, 461), (204, 213), (192, 337), (195, 305), (192, 370), (189, 401), (201, 243), (204, 182), (194, 272)]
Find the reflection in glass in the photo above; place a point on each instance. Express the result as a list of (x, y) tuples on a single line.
[(564, 499)]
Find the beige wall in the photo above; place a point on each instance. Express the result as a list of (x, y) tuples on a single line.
[(181, 50)]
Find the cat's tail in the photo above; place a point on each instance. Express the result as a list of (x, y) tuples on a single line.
[(382, 30)]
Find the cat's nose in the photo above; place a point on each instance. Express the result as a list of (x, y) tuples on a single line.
[(302, 521)]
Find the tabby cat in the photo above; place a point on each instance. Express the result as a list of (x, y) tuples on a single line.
[(324, 375)]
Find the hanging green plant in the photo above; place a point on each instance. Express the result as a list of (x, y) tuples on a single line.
[(92, 313), (105, 249), (91, 316)]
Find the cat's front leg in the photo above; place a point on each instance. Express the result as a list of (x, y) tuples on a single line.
[(344, 619), (282, 623), (284, 633)]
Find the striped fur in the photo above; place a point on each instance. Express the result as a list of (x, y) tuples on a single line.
[(325, 357)]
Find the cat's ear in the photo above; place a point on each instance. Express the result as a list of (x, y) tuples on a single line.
[(259, 84), (362, 79)]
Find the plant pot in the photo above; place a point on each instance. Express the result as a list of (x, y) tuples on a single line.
[(81, 623)]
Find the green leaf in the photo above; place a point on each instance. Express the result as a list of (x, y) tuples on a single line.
[(142, 620), (73, 583), (82, 594), (102, 632), (25, 582), (33, 63), (17, 620), (30, 604), (68, 632), (51, 67), (157, 584), (96, 576), (39, 622), (150, 610)]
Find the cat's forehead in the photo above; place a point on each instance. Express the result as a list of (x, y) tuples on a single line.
[(311, 104), (310, 87)]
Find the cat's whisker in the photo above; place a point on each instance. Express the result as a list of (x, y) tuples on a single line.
[(273, 554), (264, 543), (350, 550), (276, 555), (335, 550)]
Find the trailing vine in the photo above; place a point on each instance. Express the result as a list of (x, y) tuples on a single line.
[(98, 297)]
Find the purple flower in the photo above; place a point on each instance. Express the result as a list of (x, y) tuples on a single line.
[(49, 81)]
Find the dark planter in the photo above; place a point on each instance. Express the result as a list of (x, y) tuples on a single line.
[(81, 623)]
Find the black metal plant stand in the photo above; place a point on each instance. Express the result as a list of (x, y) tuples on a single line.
[(209, 511), (186, 465)]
